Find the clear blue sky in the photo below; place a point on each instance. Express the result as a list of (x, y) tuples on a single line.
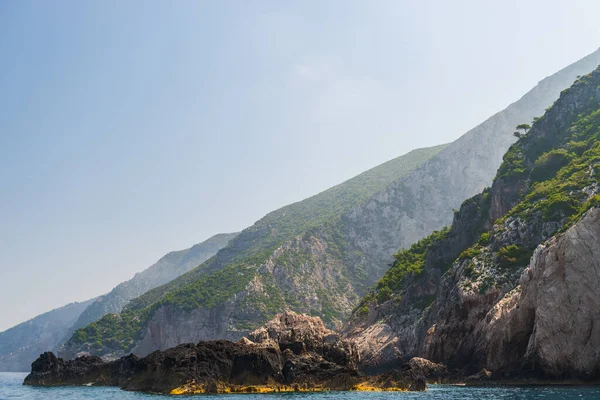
[(129, 128)]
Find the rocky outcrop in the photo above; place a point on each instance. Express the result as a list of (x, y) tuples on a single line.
[(292, 353), (300, 333), (548, 327)]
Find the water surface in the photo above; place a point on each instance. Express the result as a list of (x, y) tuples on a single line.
[(11, 387)]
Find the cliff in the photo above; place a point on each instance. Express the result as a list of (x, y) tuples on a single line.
[(510, 286), (319, 256)]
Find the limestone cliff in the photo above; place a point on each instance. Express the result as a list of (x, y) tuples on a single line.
[(548, 325), (511, 285)]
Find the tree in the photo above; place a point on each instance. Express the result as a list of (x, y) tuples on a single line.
[(522, 127)]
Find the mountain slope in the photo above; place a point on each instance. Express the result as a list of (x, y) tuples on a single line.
[(512, 286), (308, 259), (169, 267), (237, 265), (22, 344)]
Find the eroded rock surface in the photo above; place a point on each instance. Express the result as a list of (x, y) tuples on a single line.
[(293, 352), (552, 320)]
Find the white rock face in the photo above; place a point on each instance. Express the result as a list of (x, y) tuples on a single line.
[(558, 304), (414, 206)]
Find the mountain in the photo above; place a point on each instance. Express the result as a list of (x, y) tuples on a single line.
[(512, 286), (319, 256), (166, 269), (20, 345), (277, 239)]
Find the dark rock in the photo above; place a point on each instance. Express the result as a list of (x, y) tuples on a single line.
[(223, 366)]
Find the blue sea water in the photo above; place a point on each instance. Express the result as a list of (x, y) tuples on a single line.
[(11, 387)]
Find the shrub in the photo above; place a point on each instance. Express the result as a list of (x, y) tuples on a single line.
[(484, 239), (548, 164), (513, 256), (383, 295)]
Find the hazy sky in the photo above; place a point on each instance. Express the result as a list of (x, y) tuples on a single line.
[(129, 129)]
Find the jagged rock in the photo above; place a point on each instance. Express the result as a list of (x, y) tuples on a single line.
[(548, 327), (292, 352), (427, 368), (301, 333), (481, 376)]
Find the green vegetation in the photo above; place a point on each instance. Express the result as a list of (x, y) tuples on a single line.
[(548, 164), (513, 164), (116, 331), (513, 256), (210, 290), (471, 252), (219, 278), (255, 244), (551, 174), (484, 239), (407, 262)]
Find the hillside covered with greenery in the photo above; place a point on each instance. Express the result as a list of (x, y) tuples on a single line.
[(227, 273), (548, 180)]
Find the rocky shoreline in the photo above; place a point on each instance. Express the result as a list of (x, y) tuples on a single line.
[(292, 352)]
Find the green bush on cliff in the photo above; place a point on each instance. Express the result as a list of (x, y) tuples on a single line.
[(484, 239), (408, 262), (116, 331), (513, 165), (548, 164), (210, 290), (513, 256)]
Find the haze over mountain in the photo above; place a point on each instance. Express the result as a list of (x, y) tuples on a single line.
[(127, 133), (318, 256), (21, 344)]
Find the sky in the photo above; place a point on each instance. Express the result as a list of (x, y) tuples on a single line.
[(130, 129)]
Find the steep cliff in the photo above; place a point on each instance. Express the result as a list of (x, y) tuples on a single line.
[(320, 255), (470, 297), (20, 345), (552, 316)]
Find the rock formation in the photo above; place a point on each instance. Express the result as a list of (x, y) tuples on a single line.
[(292, 353)]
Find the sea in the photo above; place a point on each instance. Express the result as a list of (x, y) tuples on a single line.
[(11, 387)]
